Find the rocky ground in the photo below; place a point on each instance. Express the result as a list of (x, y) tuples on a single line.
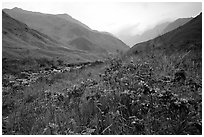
[(26, 78)]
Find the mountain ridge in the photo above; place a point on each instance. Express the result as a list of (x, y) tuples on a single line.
[(19, 41), (191, 31), (175, 24), (159, 29), (63, 30)]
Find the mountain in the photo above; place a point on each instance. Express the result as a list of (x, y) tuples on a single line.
[(65, 29), (191, 32), (177, 23), (20, 41), (84, 44), (159, 29), (146, 35), (69, 18), (151, 33)]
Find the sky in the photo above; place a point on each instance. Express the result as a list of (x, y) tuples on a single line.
[(115, 17)]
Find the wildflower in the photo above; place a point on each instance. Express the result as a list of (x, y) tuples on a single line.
[(133, 122), (141, 82), (177, 102), (53, 125), (175, 95), (47, 91), (183, 100), (126, 91), (160, 95)]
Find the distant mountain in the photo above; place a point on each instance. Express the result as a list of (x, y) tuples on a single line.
[(177, 23), (20, 41), (158, 30), (65, 29), (147, 35), (161, 29), (191, 32), (151, 33)]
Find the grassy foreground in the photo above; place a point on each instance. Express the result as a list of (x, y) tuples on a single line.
[(144, 95)]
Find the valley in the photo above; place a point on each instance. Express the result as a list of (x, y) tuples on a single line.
[(60, 77)]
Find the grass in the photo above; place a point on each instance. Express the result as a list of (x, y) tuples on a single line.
[(146, 94)]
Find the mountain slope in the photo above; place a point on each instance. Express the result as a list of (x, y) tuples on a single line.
[(177, 23), (158, 30), (20, 41), (152, 33), (146, 35), (84, 44), (190, 32), (69, 18), (65, 29)]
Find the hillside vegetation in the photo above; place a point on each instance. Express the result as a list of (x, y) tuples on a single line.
[(21, 42), (150, 93), (64, 28), (153, 89), (190, 32)]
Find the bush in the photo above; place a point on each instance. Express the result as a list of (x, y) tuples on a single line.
[(145, 96)]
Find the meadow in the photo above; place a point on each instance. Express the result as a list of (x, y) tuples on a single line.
[(148, 93)]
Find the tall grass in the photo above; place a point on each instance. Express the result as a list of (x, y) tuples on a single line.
[(140, 95)]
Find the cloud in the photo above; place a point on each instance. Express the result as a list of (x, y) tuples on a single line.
[(131, 29)]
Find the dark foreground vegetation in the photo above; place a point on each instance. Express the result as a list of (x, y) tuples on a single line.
[(149, 93)]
